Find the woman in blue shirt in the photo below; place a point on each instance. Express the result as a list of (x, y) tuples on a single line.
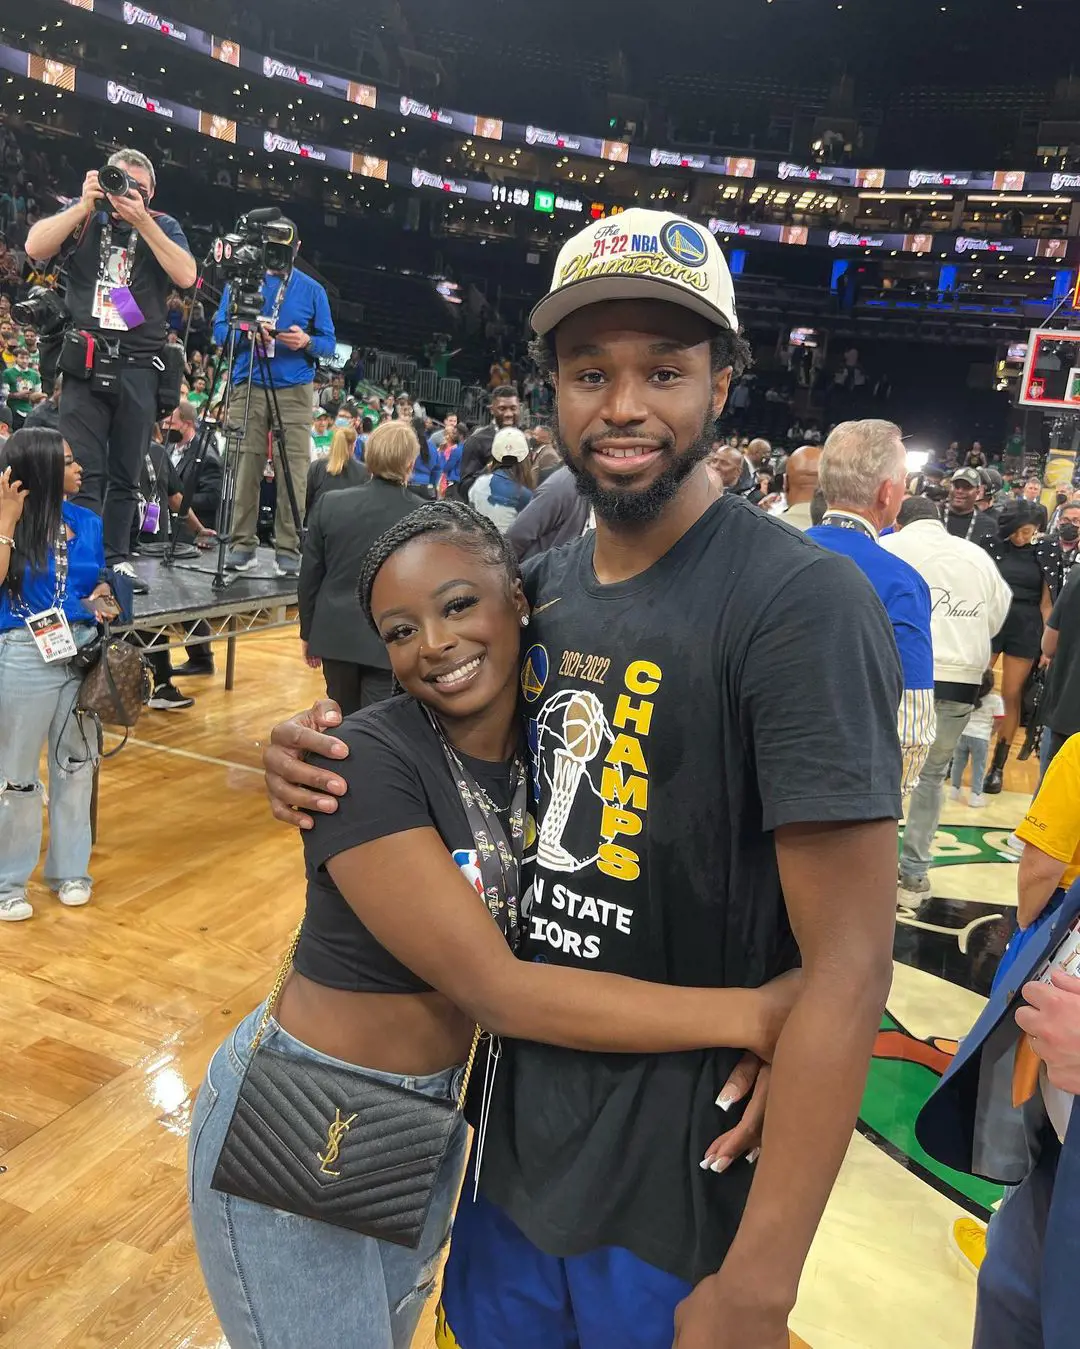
[(51, 559), (426, 472)]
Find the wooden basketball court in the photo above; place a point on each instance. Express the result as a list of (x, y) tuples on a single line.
[(111, 1013)]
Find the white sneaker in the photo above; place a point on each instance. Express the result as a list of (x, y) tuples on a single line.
[(954, 793), (74, 893), (15, 909), (976, 800), (910, 892)]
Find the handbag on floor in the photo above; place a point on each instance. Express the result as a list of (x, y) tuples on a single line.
[(326, 1142)]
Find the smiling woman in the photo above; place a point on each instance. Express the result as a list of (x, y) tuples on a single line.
[(418, 896)]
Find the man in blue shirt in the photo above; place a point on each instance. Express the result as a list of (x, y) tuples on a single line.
[(862, 472), (296, 329)]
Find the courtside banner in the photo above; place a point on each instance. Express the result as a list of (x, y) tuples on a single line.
[(217, 126), (613, 151)]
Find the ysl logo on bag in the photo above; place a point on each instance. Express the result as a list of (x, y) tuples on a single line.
[(335, 1133)]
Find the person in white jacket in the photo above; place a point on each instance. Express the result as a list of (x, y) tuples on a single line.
[(969, 601)]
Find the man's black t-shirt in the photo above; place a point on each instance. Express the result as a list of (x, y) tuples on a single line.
[(1061, 701), (150, 283), (398, 779), (975, 527), (748, 680)]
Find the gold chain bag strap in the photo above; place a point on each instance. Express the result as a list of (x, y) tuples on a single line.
[(326, 1142)]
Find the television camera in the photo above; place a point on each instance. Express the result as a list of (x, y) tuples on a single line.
[(261, 241)]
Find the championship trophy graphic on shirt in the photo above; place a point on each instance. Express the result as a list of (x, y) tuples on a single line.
[(583, 730)]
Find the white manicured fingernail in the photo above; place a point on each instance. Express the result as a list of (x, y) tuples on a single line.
[(721, 1164), (704, 1163), (752, 1156), (725, 1100)]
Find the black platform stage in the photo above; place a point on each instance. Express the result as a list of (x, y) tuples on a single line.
[(181, 597)]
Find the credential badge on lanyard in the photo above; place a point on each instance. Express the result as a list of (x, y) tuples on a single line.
[(49, 627), (115, 308), (150, 510), (268, 345)]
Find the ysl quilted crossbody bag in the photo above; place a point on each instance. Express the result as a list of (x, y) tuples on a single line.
[(330, 1144)]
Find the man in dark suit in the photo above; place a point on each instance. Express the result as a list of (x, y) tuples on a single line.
[(343, 526), (203, 484)]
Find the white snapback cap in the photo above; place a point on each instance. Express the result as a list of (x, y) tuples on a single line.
[(640, 255), (510, 444)]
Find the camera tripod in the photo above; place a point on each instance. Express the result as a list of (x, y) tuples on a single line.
[(246, 328)]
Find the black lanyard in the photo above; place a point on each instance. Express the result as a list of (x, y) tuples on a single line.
[(835, 521), (970, 528), (105, 253), (500, 850), (151, 473), (60, 584)]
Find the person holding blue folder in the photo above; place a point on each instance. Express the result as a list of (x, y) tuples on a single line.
[(1003, 1110)]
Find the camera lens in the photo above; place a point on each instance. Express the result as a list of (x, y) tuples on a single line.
[(114, 180)]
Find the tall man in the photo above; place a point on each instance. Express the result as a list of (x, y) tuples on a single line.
[(969, 601), (476, 452), (863, 468), (295, 330), (719, 820), (124, 261)]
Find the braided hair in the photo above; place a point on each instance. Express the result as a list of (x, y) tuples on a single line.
[(459, 523)]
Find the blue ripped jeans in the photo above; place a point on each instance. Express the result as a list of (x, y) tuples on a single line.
[(278, 1281), (35, 714)]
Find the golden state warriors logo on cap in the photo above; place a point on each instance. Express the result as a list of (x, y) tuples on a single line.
[(684, 243)]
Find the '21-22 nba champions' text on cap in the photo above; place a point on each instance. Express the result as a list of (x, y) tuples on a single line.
[(640, 255)]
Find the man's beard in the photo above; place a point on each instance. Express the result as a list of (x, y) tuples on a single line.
[(626, 506)]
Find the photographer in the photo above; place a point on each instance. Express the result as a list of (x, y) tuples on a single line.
[(295, 330), (124, 261)]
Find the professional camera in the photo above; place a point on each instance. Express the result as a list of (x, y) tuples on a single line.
[(115, 181), (261, 241), (42, 309)]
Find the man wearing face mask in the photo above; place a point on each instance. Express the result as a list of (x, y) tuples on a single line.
[(295, 330), (166, 478), (122, 261), (201, 482), (1062, 545)]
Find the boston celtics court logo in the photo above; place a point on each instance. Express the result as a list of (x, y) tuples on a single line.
[(956, 936)]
